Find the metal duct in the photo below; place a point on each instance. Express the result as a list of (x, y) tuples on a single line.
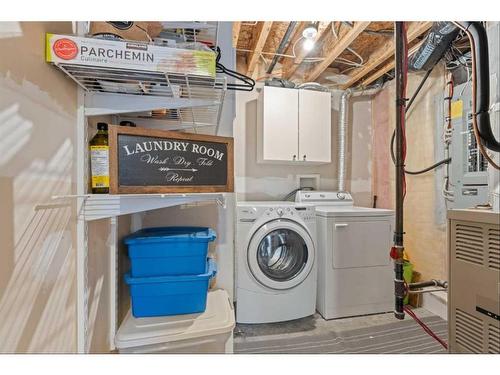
[(342, 137)]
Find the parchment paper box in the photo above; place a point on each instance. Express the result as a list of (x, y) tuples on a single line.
[(68, 49)]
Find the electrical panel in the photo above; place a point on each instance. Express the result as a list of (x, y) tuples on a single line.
[(468, 169)]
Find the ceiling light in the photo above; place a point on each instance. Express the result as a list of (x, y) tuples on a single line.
[(308, 44), (310, 31)]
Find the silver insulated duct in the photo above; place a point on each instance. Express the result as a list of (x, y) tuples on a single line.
[(342, 129), (342, 137)]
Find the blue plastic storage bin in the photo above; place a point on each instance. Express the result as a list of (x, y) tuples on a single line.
[(170, 295), (169, 251)]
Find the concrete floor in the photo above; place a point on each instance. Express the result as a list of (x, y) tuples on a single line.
[(356, 330)]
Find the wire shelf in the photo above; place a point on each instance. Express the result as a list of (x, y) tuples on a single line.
[(189, 32), (176, 99), (102, 206)]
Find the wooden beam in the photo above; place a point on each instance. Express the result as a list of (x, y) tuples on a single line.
[(390, 65), (236, 33), (290, 65), (334, 50), (259, 40), (386, 51)]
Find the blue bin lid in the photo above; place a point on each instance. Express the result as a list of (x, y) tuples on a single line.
[(211, 271), (171, 234)]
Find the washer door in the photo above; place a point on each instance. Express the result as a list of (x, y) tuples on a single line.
[(281, 254)]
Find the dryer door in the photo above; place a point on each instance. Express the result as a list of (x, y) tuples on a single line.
[(281, 254)]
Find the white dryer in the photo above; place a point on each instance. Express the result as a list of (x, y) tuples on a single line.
[(355, 272), (276, 268)]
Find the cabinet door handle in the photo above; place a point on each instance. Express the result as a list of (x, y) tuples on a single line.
[(342, 225), (294, 157)]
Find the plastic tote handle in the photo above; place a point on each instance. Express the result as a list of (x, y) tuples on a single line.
[(212, 268), (212, 236)]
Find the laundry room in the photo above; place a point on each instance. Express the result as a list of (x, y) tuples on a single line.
[(222, 185)]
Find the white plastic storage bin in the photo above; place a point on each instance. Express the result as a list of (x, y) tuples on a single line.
[(208, 332)]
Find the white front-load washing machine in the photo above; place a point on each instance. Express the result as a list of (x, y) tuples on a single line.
[(355, 271), (275, 261)]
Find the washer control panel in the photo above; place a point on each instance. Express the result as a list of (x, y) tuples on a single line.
[(292, 212), (305, 213)]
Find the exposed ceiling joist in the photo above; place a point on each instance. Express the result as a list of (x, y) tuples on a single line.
[(236, 33), (296, 36), (260, 36), (390, 65), (290, 65), (415, 30), (334, 50)]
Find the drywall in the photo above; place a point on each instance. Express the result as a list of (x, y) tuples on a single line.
[(255, 181), (425, 238), (359, 151), (37, 161)]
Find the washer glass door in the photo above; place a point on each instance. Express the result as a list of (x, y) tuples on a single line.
[(281, 254)]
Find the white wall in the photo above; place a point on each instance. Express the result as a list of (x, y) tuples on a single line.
[(37, 161), (255, 181)]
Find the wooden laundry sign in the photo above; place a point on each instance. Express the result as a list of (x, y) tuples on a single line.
[(158, 161)]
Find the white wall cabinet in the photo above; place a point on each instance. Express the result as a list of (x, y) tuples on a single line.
[(315, 126), (278, 135), (294, 126)]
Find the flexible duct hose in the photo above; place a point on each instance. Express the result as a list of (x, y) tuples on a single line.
[(342, 128), (342, 136)]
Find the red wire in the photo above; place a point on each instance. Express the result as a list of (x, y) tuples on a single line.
[(425, 327)]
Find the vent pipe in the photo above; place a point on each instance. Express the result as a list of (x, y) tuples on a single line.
[(342, 137)]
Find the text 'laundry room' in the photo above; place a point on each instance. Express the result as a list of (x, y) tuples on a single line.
[(250, 187)]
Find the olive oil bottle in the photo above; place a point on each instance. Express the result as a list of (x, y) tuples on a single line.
[(99, 160)]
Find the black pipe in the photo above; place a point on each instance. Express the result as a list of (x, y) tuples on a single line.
[(282, 46), (399, 289), (482, 84), (424, 284)]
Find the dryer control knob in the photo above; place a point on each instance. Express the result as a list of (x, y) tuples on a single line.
[(279, 211), (341, 196)]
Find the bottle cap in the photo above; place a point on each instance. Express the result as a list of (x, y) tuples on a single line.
[(102, 126)]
